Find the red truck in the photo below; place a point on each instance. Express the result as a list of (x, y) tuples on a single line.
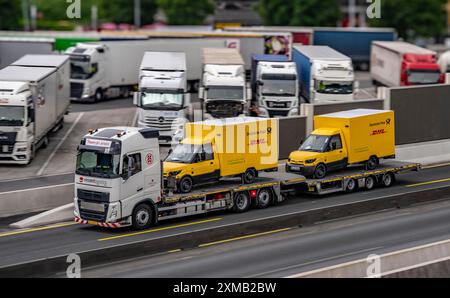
[(403, 64)]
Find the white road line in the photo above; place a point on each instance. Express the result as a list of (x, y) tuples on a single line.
[(42, 169), (36, 188), (135, 118)]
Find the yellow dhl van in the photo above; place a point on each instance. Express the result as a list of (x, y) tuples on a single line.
[(340, 139), (221, 148)]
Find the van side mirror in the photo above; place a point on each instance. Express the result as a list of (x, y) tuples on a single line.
[(136, 100), (201, 92)]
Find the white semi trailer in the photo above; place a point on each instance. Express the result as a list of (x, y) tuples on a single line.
[(34, 97), (224, 90), (111, 69), (163, 99)]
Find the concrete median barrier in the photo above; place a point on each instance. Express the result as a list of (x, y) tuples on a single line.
[(35, 199), (192, 239)]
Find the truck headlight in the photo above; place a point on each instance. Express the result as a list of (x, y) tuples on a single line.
[(310, 160), (293, 112), (114, 211), (22, 149)]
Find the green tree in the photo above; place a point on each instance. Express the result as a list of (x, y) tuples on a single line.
[(299, 12), (10, 14), (186, 12), (122, 11), (414, 18)]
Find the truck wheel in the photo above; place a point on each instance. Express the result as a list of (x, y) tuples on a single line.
[(185, 185), (45, 143), (320, 172), (264, 198), (249, 176), (351, 186), (241, 202), (387, 180), (142, 217), (98, 95), (370, 183), (372, 163)]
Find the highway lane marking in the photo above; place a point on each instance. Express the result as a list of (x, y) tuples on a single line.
[(429, 182), (44, 166), (38, 229), (174, 250), (36, 188), (436, 166), (159, 229), (244, 237), (34, 177)]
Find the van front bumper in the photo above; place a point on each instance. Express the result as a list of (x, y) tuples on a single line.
[(300, 169)]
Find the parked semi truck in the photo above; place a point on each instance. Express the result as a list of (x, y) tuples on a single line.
[(14, 48), (361, 136), (353, 42), (163, 100), (34, 97), (404, 64), (208, 154), (275, 86), (325, 74), (111, 69), (224, 90), (119, 183)]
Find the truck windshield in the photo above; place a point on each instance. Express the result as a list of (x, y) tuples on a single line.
[(226, 92), (330, 87), (97, 164), (184, 153), (12, 116), (162, 101), (315, 143), (82, 70), (279, 88), (423, 76)]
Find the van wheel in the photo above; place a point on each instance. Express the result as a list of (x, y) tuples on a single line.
[(372, 163), (98, 95), (320, 172), (351, 186), (142, 217), (185, 185), (370, 183), (241, 202), (249, 176), (264, 198), (387, 180)]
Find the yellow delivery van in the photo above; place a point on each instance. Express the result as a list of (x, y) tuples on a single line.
[(221, 148), (340, 139)]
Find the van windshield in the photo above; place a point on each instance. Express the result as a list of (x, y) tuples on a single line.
[(12, 115), (184, 153), (97, 164), (315, 143)]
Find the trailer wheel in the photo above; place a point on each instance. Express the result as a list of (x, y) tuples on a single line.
[(370, 183), (241, 202), (185, 185), (351, 186), (142, 217), (320, 172), (387, 180), (372, 163), (264, 198), (249, 176)]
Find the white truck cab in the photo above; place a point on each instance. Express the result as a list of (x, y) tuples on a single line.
[(277, 89), (163, 100), (333, 81), (118, 172)]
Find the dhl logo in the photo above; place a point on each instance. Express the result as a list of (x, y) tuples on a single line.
[(378, 132)]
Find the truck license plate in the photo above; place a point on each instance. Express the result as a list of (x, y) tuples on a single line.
[(92, 206)]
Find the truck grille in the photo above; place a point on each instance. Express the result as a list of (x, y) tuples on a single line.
[(160, 123), (76, 90), (89, 215), (279, 105), (7, 138), (273, 113), (223, 109), (92, 196)]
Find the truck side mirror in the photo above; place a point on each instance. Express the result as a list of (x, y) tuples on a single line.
[(136, 99), (201, 92)]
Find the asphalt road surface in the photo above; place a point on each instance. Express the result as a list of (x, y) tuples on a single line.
[(26, 245)]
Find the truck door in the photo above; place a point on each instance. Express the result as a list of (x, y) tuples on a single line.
[(132, 178), (336, 156), (206, 166)]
